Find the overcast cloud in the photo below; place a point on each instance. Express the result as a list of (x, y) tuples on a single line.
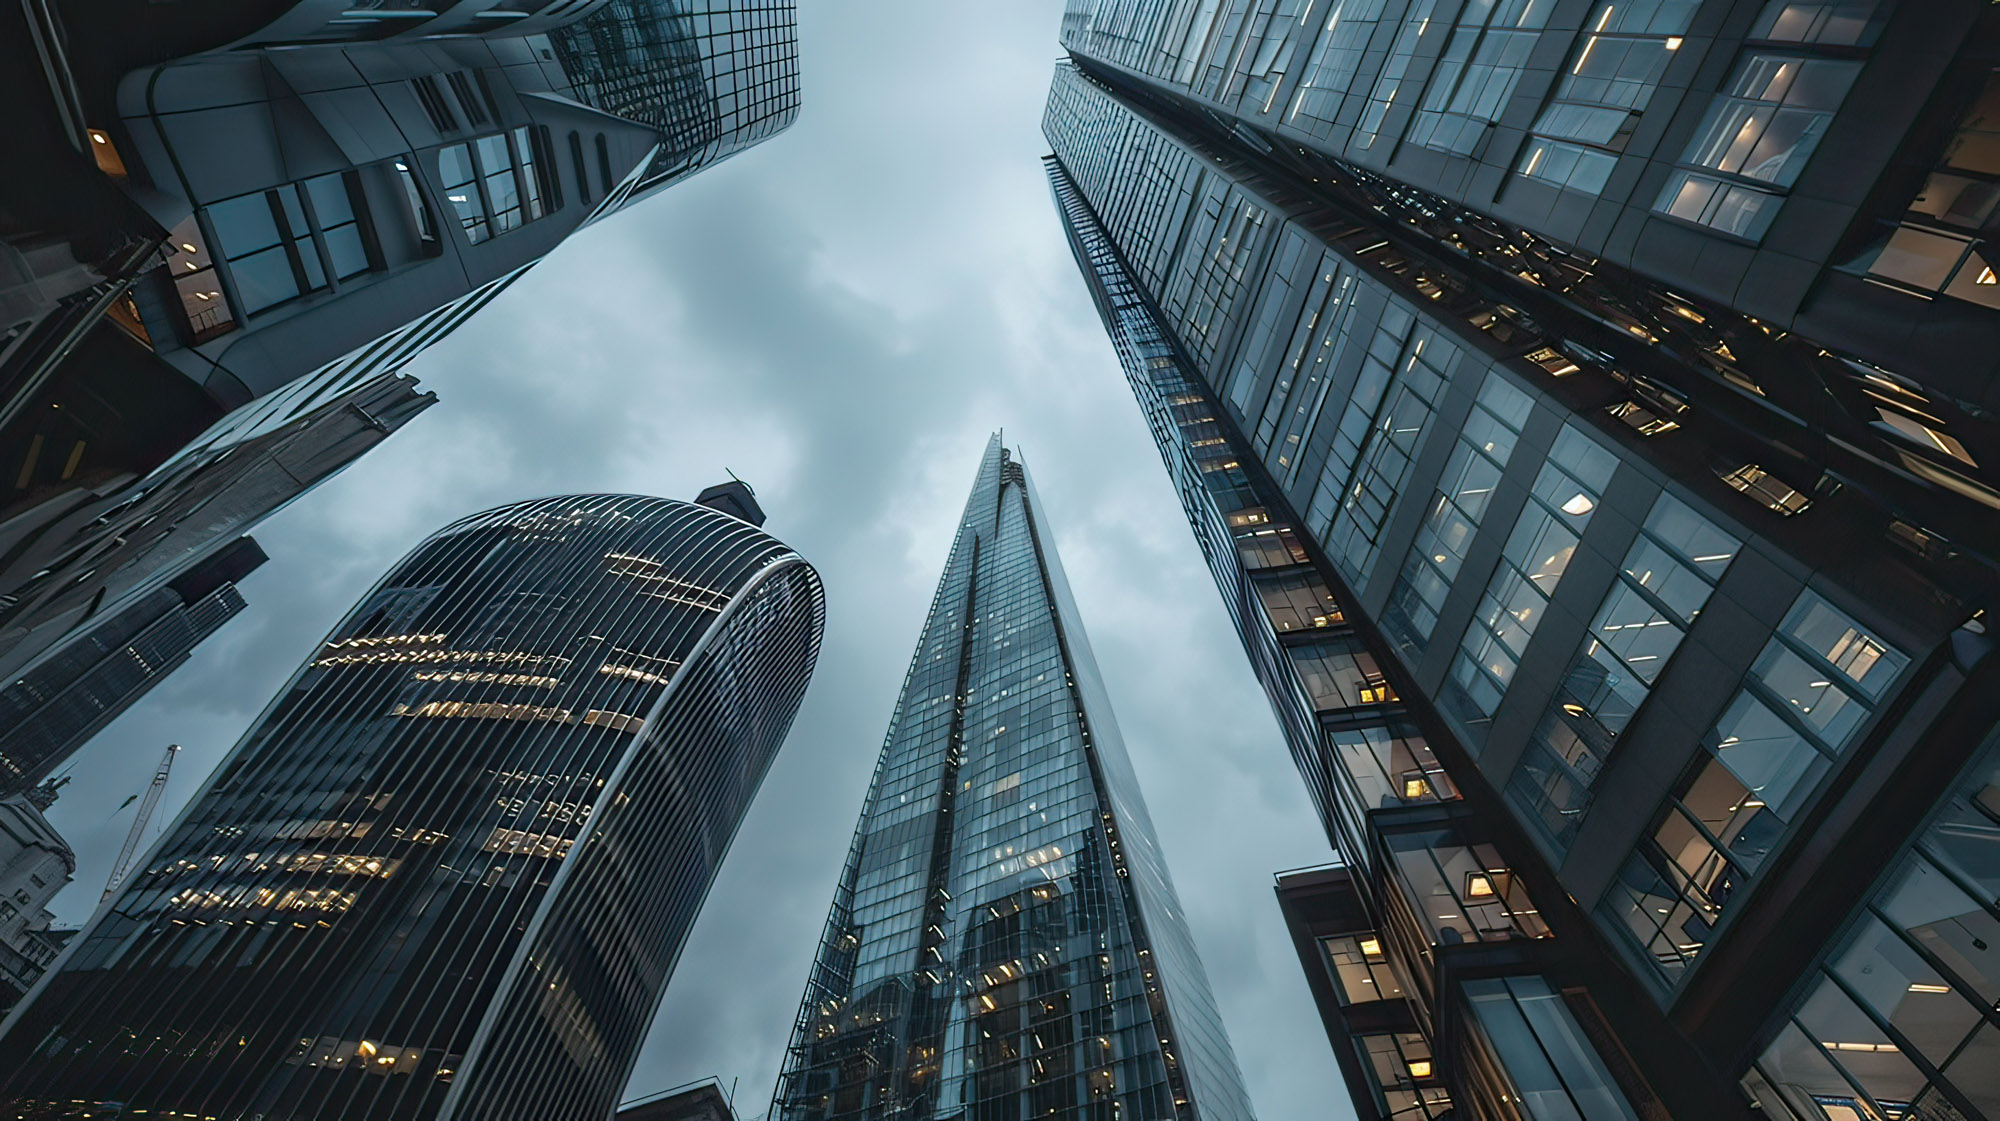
[(841, 316)]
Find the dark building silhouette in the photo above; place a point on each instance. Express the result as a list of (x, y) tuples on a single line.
[(236, 219), (1617, 567), (449, 871), (50, 711), (1005, 940)]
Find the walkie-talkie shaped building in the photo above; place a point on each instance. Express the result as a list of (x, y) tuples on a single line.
[(1005, 940)]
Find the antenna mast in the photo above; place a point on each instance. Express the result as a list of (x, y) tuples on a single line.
[(130, 852)]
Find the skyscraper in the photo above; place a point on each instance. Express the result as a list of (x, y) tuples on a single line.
[(448, 872), (51, 711), (236, 219), (1625, 619), (1005, 940)]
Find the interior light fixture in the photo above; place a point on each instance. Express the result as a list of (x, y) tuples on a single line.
[(1673, 42), (1420, 1068), (1579, 505), (1371, 947)]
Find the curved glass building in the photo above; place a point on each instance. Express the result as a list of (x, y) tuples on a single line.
[(1005, 941), (448, 872)]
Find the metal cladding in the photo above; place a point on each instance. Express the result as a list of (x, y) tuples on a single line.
[(449, 871), (1005, 940)]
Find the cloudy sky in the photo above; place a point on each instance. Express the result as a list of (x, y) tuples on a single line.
[(841, 316)]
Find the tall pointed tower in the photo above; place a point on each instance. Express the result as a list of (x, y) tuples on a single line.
[(1005, 940)]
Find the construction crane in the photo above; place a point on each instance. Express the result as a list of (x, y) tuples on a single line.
[(130, 852)]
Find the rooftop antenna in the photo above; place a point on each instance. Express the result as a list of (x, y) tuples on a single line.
[(130, 853)]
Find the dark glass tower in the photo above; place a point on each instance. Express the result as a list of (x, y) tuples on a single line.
[(1005, 940), (236, 219), (53, 709), (1625, 619), (448, 872)]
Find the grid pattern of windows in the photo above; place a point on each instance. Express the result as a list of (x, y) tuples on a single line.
[(1143, 185), (1336, 62), (1664, 583), (1529, 1042), (1938, 246), (1806, 699), (1318, 341), (396, 817), (1904, 1017), (1408, 1085), (1485, 444), (1389, 84), (1580, 131), (1224, 239), (1385, 445), (1360, 969), (713, 76), (277, 244), (1248, 376), (1476, 76), (1755, 139), (1538, 551), (1340, 674), (498, 182), (1281, 27), (1388, 764), (1005, 937)]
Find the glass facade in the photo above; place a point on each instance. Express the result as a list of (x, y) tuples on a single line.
[(1900, 1020), (448, 871), (1559, 543), (1005, 940)]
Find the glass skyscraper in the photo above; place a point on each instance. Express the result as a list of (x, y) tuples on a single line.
[(1005, 941), (448, 872), (1584, 460), (278, 207)]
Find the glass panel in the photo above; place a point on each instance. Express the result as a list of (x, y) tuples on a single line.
[(349, 255), (1950, 926), (1767, 755), (1894, 980), (330, 201), (1641, 637), (265, 278), (1811, 696), (243, 225), (1867, 661), (1803, 1074), (1854, 1041)]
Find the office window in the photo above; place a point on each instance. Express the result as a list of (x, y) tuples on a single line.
[(1408, 1084), (1485, 444), (1297, 601), (1477, 74), (1832, 22), (1900, 1013), (1340, 674), (1939, 244), (1386, 765), (1538, 551), (1531, 1038), (1389, 83), (1336, 62), (1759, 131), (496, 183), (1609, 82), (1665, 581), (1805, 700), (1386, 447), (1360, 969)]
